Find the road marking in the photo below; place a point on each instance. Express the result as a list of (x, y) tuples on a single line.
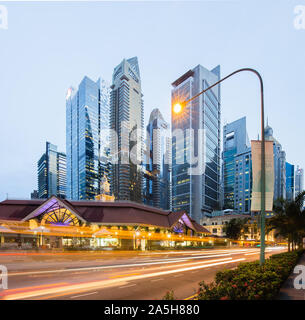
[(191, 297), (83, 295), (250, 254), (131, 285), (124, 275), (178, 275), (60, 295), (156, 280)]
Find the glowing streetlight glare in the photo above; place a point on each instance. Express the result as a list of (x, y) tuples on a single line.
[(177, 108)]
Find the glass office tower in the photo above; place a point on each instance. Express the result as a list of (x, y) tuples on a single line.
[(126, 124), (289, 181), (87, 120), (237, 167), (52, 173), (299, 180), (196, 135), (157, 189)]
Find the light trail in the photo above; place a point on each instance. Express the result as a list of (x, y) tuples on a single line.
[(95, 268), (146, 263), (211, 251), (114, 282), (83, 295)]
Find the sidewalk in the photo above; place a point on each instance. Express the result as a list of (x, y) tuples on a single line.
[(288, 292)]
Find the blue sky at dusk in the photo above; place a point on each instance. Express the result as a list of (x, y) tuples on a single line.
[(50, 46)]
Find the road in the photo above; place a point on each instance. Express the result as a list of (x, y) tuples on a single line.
[(115, 275)]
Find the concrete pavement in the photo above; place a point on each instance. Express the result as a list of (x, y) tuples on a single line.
[(288, 292)]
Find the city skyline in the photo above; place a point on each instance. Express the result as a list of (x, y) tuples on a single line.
[(40, 97)]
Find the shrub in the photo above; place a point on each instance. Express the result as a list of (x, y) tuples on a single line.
[(250, 280), (169, 295)]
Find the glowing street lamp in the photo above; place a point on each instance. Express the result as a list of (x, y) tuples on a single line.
[(177, 108)]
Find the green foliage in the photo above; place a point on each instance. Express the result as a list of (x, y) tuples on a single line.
[(289, 221), (251, 281), (236, 228), (169, 295)]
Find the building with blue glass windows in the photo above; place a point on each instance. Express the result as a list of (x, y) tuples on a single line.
[(127, 132), (196, 143), (51, 170), (289, 181), (299, 180), (157, 173), (237, 167), (87, 142)]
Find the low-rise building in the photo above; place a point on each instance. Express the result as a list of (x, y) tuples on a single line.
[(57, 223), (215, 225)]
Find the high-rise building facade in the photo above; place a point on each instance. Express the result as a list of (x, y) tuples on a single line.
[(127, 125), (279, 165), (87, 122), (299, 180), (34, 194), (157, 173), (52, 173), (289, 181), (196, 143), (237, 167)]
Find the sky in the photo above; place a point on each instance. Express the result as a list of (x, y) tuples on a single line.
[(50, 46)]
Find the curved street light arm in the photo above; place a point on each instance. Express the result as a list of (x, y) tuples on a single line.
[(263, 169)]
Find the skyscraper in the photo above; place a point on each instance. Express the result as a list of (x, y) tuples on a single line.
[(126, 124), (157, 187), (196, 143), (52, 173), (87, 121), (237, 168), (34, 194), (279, 165), (299, 180), (289, 181)]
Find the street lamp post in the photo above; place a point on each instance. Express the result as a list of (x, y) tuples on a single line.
[(178, 108)]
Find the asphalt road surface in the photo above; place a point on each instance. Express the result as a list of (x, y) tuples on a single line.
[(117, 275)]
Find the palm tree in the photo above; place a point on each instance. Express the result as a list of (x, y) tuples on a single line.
[(289, 221)]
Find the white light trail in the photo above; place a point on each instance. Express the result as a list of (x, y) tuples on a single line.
[(110, 283)]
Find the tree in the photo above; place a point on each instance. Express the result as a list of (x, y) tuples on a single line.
[(235, 228), (289, 221)]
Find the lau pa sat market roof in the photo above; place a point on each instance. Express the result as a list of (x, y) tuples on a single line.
[(97, 212)]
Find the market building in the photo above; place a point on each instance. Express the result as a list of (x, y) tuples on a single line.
[(59, 223)]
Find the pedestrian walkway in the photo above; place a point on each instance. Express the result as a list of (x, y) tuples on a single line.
[(288, 292)]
